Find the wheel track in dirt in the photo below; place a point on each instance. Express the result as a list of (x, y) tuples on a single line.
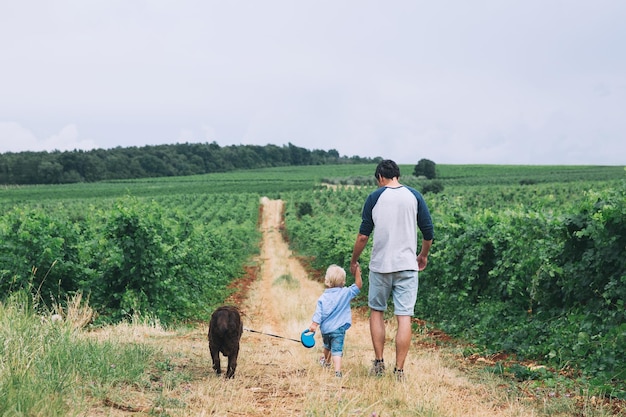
[(283, 291)]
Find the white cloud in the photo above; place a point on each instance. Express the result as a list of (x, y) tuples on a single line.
[(16, 138)]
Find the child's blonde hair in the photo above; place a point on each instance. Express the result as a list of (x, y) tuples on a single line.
[(335, 276)]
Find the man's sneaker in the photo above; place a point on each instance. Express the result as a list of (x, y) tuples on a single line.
[(338, 374), (378, 367), (399, 374), (323, 363)]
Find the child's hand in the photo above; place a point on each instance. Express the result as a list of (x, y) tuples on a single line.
[(358, 280)]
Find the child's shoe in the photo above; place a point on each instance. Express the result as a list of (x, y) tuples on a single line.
[(323, 363)]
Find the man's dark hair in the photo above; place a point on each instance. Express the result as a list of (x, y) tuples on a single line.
[(387, 169)]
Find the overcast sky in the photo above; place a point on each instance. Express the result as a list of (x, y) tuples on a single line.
[(482, 81)]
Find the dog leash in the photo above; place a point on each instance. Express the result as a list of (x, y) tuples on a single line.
[(273, 335)]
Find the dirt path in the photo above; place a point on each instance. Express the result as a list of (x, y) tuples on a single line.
[(280, 377)]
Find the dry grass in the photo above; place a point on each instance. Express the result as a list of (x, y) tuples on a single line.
[(77, 313), (281, 378)]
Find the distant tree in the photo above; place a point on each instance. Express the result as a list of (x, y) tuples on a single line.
[(426, 168), (154, 166), (26, 166), (298, 155), (71, 176), (94, 167), (333, 154), (50, 172), (196, 165), (116, 165)]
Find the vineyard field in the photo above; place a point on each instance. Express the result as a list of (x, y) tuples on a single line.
[(528, 260)]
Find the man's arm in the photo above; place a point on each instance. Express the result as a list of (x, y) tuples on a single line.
[(359, 245)]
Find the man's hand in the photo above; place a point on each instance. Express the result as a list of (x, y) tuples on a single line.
[(422, 257), (422, 261)]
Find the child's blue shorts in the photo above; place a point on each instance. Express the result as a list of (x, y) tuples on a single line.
[(333, 341)]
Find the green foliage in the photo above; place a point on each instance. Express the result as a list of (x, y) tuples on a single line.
[(542, 286), (139, 276), (434, 187), (327, 236), (132, 256), (304, 209), (525, 373), (39, 251)]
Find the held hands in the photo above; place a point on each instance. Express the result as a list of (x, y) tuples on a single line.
[(354, 268)]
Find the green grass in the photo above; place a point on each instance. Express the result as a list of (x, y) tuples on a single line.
[(274, 181), (526, 174), (46, 368), (287, 281)]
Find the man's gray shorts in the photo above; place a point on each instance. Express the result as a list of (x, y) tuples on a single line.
[(402, 285)]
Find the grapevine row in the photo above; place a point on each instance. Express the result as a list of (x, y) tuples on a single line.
[(537, 271)]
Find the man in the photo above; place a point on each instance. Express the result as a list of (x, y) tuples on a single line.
[(394, 212)]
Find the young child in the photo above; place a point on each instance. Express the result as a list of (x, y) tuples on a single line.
[(333, 315)]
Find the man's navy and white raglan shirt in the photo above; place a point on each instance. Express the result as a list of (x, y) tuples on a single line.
[(394, 212)]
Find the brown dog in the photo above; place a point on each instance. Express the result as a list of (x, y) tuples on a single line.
[(225, 329)]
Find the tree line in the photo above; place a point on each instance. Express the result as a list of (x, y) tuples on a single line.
[(58, 167)]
